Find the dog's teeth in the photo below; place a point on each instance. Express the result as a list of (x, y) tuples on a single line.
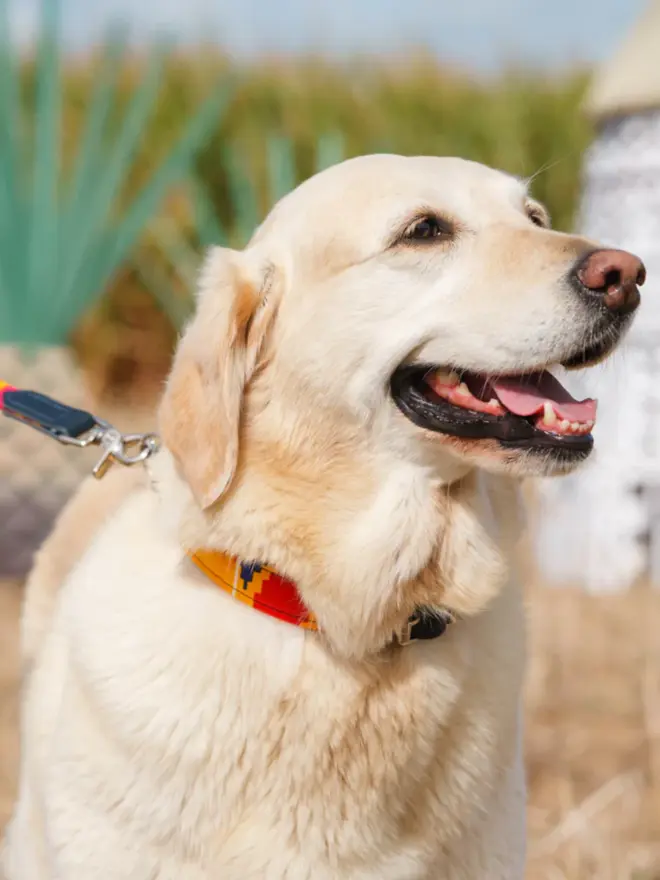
[(589, 425), (549, 415), (447, 378), (463, 389), (576, 426), (564, 425)]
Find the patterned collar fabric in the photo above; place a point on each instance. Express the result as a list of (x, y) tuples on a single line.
[(255, 585), (260, 587)]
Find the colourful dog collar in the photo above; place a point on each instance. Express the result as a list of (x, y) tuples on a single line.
[(260, 587)]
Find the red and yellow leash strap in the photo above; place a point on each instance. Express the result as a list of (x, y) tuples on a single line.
[(4, 387)]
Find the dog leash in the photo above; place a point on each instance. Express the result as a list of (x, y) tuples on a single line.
[(76, 427)]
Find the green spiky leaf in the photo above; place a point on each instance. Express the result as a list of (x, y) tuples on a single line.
[(282, 176), (62, 239)]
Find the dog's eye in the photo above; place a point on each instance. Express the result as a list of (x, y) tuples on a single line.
[(427, 229), (537, 217)]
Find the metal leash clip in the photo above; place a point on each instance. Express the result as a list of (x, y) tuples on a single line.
[(126, 449), (75, 427)]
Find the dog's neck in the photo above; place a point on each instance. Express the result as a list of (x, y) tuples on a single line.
[(363, 556)]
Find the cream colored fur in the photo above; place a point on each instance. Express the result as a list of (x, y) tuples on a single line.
[(72, 533), (170, 732)]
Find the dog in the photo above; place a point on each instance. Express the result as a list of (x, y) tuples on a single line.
[(295, 647)]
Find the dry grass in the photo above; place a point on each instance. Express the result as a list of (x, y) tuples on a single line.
[(593, 732), (593, 736)]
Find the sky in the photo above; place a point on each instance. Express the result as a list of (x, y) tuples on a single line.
[(478, 34)]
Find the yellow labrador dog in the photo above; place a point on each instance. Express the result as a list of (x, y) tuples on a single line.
[(295, 649)]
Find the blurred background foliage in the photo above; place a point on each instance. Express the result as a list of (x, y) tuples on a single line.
[(284, 121)]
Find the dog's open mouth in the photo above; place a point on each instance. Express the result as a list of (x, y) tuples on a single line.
[(530, 410)]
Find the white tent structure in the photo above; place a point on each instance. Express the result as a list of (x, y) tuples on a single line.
[(601, 527)]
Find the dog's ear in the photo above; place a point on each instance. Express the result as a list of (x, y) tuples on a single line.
[(200, 412)]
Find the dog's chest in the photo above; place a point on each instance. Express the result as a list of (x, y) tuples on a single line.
[(190, 719), (306, 764)]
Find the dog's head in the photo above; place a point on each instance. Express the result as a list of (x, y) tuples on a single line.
[(388, 330), (423, 301)]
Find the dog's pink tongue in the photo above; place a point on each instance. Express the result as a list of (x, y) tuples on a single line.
[(526, 396)]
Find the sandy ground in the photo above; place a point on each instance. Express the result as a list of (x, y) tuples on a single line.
[(593, 732)]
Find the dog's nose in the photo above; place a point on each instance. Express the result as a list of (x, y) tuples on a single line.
[(615, 276)]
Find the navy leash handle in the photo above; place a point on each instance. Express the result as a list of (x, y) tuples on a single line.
[(76, 427), (45, 414)]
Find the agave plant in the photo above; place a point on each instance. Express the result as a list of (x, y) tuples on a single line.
[(174, 281), (62, 238)]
